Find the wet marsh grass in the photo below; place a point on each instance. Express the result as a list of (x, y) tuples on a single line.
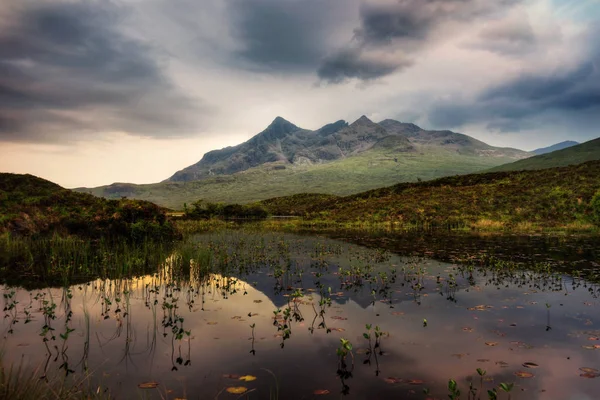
[(19, 382)]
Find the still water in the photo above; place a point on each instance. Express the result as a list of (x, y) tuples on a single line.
[(262, 315)]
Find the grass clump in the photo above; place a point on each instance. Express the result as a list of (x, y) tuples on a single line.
[(595, 206), (20, 383)]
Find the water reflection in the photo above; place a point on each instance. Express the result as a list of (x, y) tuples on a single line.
[(308, 315)]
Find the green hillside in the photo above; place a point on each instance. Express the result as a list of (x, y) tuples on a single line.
[(32, 206), (588, 151), (551, 198), (378, 167)]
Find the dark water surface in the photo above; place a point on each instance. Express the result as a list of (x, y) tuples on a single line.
[(274, 307)]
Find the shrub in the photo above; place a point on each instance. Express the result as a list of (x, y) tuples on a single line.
[(595, 205)]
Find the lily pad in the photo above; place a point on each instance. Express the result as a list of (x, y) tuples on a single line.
[(148, 385), (237, 390), (530, 365), (524, 374)]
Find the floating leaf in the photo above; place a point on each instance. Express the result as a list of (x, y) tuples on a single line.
[(337, 329), (392, 380), (339, 318), (257, 301), (589, 375), (397, 313), (415, 382), (319, 392), (491, 343), (247, 378), (237, 389), (589, 370), (530, 365), (211, 323), (467, 329), (148, 385), (523, 374), (479, 308), (593, 338)]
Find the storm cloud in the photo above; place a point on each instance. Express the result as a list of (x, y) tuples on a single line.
[(286, 35), (405, 27), (567, 93), (67, 69)]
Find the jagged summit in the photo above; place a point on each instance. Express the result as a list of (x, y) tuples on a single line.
[(363, 120), (278, 129)]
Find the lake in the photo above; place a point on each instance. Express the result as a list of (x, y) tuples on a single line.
[(270, 315)]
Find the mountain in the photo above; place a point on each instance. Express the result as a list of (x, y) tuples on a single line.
[(573, 155), (339, 159), (554, 147), (30, 206), (285, 143)]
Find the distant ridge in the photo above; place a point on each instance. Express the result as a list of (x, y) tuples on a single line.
[(588, 151), (555, 147)]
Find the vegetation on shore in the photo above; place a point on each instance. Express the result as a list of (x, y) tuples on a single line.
[(31, 206), (552, 198), (201, 209)]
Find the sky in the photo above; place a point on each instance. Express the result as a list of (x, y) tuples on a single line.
[(102, 91)]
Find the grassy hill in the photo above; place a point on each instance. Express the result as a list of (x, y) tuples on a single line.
[(32, 206), (588, 151), (380, 166), (551, 198)]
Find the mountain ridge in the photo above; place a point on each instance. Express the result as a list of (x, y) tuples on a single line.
[(558, 146), (287, 144)]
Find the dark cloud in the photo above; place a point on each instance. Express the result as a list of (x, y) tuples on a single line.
[(385, 21), (571, 94), (352, 63), (66, 69), (287, 35), (510, 38), (405, 25)]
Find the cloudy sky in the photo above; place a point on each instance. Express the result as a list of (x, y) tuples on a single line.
[(101, 91)]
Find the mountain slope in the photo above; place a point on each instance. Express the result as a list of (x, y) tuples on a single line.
[(550, 197), (573, 155), (555, 147), (368, 170)]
